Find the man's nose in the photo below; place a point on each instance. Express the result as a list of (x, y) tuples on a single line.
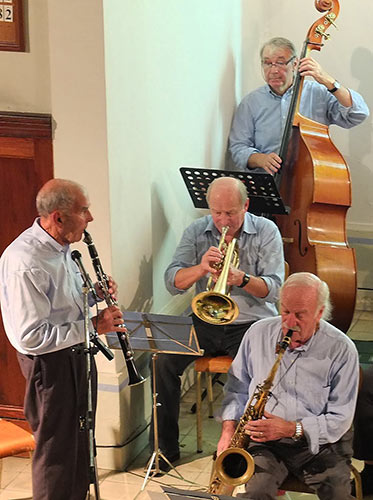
[(89, 216), (224, 219), (291, 320)]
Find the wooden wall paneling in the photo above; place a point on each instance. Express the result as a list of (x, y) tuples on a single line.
[(26, 163)]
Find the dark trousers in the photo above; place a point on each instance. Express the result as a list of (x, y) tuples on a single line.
[(55, 402), (216, 341), (327, 472), (363, 422)]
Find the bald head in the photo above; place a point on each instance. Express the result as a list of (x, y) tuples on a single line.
[(228, 203), (228, 187), (58, 194)]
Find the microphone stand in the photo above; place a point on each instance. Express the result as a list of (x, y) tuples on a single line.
[(93, 475), (90, 338)]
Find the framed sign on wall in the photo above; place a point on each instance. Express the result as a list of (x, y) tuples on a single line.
[(11, 25)]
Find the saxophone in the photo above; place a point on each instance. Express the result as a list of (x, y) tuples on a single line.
[(235, 466)]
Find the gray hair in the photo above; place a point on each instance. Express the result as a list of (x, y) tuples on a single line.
[(279, 42), (57, 194), (235, 183), (312, 281)]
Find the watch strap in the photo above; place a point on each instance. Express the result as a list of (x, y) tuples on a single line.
[(245, 280), (336, 86)]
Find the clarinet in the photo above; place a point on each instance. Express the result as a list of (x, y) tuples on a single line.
[(134, 376)]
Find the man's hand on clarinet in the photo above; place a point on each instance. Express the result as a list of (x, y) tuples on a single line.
[(109, 320), (112, 288)]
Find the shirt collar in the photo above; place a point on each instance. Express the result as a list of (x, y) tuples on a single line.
[(288, 92), (44, 237)]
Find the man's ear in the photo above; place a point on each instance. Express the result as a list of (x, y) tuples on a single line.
[(247, 203), (57, 217)]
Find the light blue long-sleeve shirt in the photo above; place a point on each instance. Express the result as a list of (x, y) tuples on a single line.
[(40, 294), (316, 383), (260, 254), (259, 121)]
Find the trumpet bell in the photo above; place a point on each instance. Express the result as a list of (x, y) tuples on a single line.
[(215, 308), (234, 466)]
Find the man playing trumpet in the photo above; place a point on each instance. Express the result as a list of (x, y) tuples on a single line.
[(254, 288)]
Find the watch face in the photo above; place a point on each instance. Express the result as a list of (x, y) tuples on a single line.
[(337, 85)]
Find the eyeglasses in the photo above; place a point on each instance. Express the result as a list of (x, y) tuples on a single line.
[(278, 64)]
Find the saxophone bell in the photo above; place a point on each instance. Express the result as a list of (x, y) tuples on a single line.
[(234, 466)]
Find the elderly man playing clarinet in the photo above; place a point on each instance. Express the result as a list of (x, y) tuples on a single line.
[(43, 313), (306, 425)]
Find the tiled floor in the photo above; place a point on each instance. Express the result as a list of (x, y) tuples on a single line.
[(193, 467)]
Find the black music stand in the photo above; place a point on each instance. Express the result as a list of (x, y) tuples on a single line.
[(261, 188), (158, 333)]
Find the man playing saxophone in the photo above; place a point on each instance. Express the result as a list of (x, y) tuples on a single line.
[(307, 420), (255, 284)]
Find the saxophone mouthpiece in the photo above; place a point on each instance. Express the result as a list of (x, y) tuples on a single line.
[(285, 342)]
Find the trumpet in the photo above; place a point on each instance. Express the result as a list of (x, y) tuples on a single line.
[(134, 377), (215, 306), (235, 465)]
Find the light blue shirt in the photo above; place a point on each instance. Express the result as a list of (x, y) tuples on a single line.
[(316, 383), (259, 121), (41, 294), (260, 254)]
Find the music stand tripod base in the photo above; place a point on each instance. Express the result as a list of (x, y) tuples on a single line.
[(157, 453), (165, 334)]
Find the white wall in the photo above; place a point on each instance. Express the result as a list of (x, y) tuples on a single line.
[(78, 107), (171, 76)]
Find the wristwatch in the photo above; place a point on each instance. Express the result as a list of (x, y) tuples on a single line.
[(245, 280), (298, 431), (336, 86)]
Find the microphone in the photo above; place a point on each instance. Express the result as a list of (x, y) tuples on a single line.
[(101, 346), (77, 258)]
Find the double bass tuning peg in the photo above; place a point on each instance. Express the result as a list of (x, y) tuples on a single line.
[(330, 18), (320, 31)]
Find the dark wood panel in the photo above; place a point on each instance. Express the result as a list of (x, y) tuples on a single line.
[(26, 163), (33, 125)]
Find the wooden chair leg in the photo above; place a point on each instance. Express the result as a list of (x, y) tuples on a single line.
[(198, 411), (357, 479), (210, 395)]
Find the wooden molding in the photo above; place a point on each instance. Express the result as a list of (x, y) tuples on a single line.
[(34, 125)]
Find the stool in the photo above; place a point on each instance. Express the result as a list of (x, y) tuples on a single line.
[(292, 483), (14, 440), (207, 365)]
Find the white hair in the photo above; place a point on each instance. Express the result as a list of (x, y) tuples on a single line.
[(312, 281)]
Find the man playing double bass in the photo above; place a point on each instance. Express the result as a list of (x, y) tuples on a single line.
[(257, 127)]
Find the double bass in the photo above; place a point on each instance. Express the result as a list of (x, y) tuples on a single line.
[(314, 182)]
